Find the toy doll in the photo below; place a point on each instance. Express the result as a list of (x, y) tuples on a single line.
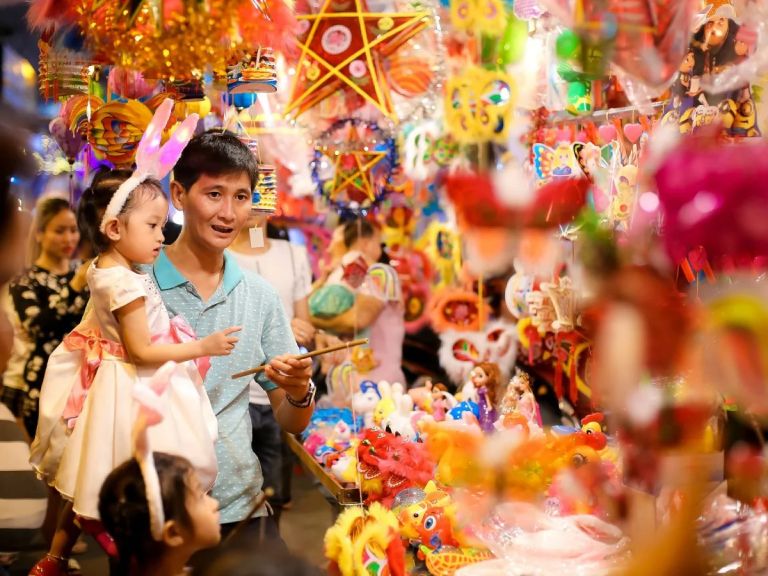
[(440, 402), (519, 399), (485, 378)]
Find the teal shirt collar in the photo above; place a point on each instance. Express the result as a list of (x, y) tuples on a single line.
[(168, 276)]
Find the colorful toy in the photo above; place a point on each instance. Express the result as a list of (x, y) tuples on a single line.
[(364, 401), (519, 400), (427, 518), (478, 103), (446, 561), (483, 386), (365, 542), (389, 464)]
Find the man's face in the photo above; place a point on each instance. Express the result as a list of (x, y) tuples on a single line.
[(215, 208)]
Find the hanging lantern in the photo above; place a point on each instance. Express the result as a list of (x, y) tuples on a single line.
[(254, 72)]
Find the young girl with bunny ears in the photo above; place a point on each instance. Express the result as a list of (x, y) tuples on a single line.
[(155, 505), (86, 408)]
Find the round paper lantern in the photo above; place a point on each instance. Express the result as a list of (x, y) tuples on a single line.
[(409, 75)]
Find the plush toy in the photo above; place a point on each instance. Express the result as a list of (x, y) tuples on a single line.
[(389, 464), (364, 401), (344, 468), (386, 405), (427, 517), (400, 420), (455, 446), (365, 542)]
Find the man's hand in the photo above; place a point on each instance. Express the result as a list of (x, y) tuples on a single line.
[(328, 361), (291, 375), (303, 331)]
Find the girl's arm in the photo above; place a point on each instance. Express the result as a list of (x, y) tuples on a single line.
[(134, 333)]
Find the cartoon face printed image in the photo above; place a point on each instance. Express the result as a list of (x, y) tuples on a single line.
[(557, 163), (626, 189)]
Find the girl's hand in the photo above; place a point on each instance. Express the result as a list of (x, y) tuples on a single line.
[(220, 343)]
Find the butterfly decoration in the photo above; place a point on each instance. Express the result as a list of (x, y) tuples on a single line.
[(487, 16), (558, 162)]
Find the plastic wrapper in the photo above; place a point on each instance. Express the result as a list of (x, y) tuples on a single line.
[(736, 538), (528, 542)]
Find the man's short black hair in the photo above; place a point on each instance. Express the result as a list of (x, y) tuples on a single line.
[(214, 153)]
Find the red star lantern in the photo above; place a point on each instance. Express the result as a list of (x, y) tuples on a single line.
[(353, 171), (342, 48)]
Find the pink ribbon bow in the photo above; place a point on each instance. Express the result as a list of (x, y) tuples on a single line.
[(92, 349), (180, 333)]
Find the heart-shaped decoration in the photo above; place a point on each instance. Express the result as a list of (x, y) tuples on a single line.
[(633, 132), (581, 136), (607, 133)]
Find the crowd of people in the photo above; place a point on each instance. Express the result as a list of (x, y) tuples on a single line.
[(117, 353)]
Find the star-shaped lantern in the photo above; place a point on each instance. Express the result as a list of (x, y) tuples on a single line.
[(353, 171), (342, 48)]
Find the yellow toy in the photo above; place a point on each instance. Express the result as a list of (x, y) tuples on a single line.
[(387, 405), (446, 561), (363, 543), (442, 246), (478, 105)]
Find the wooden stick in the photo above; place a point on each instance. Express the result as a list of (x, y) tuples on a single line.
[(320, 352), (258, 503)]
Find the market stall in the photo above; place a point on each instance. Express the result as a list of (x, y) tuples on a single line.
[(571, 197)]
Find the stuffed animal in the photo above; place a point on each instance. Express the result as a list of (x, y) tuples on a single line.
[(400, 420), (387, 404), (364, 401)]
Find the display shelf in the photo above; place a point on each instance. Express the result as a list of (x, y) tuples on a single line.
[(345, 495)]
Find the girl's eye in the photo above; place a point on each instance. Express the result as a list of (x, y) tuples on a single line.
[(214, 194), (242, 197)]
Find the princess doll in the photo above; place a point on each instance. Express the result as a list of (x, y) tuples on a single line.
[(519, 399), (485, 378)]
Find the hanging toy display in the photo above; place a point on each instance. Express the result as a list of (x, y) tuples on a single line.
[(343, 48), (716, 46), (253, 72), (580, 64), (478, 103)]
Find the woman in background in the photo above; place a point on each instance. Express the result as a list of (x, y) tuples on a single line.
[(46, 301)]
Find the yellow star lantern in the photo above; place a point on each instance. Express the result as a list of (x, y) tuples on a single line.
[(342, 48), (353, 171)]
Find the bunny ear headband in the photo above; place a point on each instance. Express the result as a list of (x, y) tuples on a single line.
[(152, 159), (152, 409)]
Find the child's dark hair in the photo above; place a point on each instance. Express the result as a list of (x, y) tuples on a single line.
[(124, 510), (96, 197), (214, 153), (356, 229)]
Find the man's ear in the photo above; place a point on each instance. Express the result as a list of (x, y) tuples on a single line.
[(177, 195), (172, 535), (113, 230)]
